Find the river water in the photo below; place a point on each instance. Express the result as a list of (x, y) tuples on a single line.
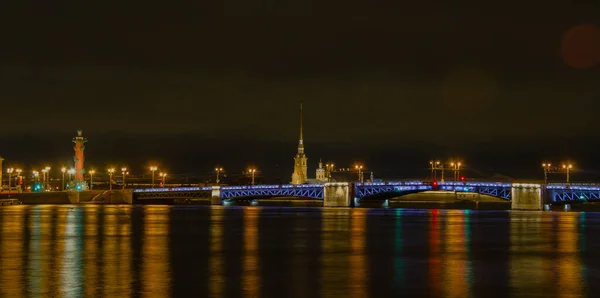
[(203, 251)]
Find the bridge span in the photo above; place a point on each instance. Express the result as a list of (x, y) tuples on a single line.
[(527, 196)]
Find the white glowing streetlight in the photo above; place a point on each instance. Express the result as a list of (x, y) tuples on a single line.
[(218, 170), (92, 178), (546, 166), (124, 172), (568, 168), (9, 171), (71, 172), (456, 168), (359, 171), (252, 172), (111, 171), (434, 166), (163, 176), (63, 170), (153, 169)]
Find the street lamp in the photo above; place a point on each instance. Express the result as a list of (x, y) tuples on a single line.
[(359, 170), (153, 169), (9, 171), (47, 177), (568, 167), (434, 166), (163, 176), (36, 175), (252, 172), (18, 171), (456, 168), (218, 170), (329, 169), (124, 171), (546, 166), (71, 173), (111, 171), (63, 170), (44, 171), (92, 178)]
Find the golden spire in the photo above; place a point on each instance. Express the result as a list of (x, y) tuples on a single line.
[(301, 123)]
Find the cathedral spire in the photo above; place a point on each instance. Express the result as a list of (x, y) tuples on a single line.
[(301, 116)]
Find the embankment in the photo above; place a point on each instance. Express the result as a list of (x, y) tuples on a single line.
[(72, 197)]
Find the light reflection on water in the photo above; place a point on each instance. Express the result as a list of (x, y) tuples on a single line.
[(164, 251)]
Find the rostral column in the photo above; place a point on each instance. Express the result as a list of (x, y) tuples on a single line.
[(79, 141)]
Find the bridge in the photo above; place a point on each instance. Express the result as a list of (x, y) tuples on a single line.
[(521, 195)]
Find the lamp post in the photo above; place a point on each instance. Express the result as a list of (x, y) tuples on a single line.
[(329, 169), (124, 171), (71, 173), (9, 171), (92, 179), (47, 177), (163, 176), (435, 165), (63, 170), (111, 171), (568, 167), (252, 172), (359, 170), (18, 171), (44, 171), (218, 170), (546, 166), (456, 168), (36, 175), (153, 169)]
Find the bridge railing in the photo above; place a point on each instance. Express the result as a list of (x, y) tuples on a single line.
[(271, 186), (167, 189)]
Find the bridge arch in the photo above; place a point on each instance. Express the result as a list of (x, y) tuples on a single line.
[(386, 191)]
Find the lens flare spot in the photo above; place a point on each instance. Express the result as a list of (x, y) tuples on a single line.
[(580, 46)]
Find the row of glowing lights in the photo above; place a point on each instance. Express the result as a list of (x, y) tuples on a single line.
[(437, 163), (64, 170), (548, 166), (286, 186), (400, 188), (418, 182)]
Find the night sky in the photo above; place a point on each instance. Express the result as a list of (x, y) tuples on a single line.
[(190, 84)]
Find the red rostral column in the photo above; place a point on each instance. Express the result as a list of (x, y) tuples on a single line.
[(79, 141)]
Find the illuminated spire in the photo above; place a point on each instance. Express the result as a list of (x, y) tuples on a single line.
[(301, 123)]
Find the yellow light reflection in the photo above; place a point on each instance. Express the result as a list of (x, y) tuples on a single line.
[(435, 272), (569, 263), (125, 253), (531, 238), (334, 238), (110, 252), (156, 275), (217, 279), (72, 265), (57, 256), (250, 263), (90, 245), (456, 258), (12, 230), (358, 264)]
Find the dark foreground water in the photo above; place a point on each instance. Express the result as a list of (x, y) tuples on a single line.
[(194, 251)]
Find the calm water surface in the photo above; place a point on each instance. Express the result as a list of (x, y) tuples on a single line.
[(194, 251)]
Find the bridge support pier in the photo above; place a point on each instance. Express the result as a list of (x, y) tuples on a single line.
[(215, 198), (526, 196), (336, 194)]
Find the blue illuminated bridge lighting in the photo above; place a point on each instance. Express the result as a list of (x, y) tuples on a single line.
[(556, 192)]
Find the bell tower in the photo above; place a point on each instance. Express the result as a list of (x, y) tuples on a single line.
[(300, 161)]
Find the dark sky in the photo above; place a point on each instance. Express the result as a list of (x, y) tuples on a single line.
[(389, 72)]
